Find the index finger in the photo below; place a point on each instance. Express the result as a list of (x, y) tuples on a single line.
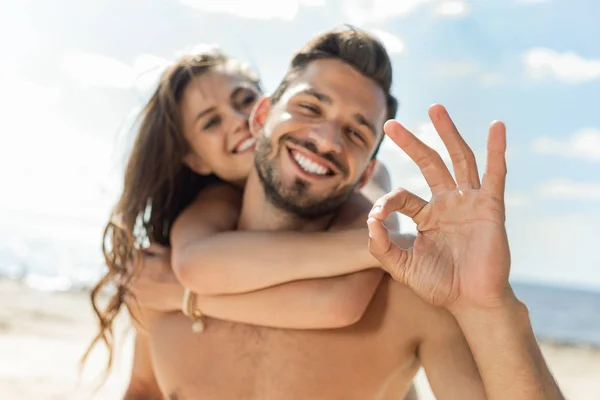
[(429, 161)]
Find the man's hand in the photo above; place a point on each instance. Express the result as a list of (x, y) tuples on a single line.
[(461, 255), (154, 285)]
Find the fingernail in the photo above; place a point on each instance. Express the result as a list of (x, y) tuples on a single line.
[(370, 223)]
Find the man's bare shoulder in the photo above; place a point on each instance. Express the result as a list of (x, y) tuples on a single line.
[(405, 305)]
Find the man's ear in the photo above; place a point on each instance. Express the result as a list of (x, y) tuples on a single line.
[(366, 176), (258, 116), (196, 164)]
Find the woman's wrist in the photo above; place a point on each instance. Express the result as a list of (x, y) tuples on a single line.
[(358, 248)]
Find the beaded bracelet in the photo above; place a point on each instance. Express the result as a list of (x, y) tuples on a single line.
[(189, 309)]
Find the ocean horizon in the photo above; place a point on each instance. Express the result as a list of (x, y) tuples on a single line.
[(559, 313)]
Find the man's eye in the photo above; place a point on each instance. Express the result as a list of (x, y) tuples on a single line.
[(356, 135), (309, 107)]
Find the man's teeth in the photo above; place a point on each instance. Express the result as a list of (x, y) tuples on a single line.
[(245, 145), (310, 166)]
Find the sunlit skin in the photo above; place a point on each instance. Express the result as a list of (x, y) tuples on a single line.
[(461, 256), (196, 365), (460, 260), (214, 110), (377, 357), (313, 127)]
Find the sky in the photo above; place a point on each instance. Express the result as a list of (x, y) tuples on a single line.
[(73, 76)]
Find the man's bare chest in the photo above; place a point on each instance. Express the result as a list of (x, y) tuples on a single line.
[(268, 363), (233, 361), (262, 347)]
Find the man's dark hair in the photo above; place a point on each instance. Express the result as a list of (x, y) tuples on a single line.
[(356, 48)]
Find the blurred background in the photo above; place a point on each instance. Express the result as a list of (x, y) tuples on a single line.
[(74, 75)]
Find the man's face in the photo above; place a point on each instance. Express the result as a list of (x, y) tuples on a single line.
[(318, 139)]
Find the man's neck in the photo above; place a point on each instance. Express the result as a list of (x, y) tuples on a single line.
[(259, 214)]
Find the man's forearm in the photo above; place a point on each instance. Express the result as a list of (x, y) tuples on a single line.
[(505, 349)]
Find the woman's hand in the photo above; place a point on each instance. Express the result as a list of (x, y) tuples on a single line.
[(154, 285)]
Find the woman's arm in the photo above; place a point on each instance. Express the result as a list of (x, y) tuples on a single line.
[(209, 257), (309, 304)]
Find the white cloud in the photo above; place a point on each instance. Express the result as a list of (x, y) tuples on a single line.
[(96, 70), (568, 67), (514, 200), (16, 94), (146, 70), (394, 8), (566, 189), (88, 69), (455, 69), (61, 185), (452, 8), (313, 3), (55, 168), (392, 43), (359, 13), (583, 144), (257, 9)]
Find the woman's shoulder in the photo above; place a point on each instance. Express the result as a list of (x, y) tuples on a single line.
[(215, 209)]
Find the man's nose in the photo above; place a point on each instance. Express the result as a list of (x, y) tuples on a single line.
[(327, 137)]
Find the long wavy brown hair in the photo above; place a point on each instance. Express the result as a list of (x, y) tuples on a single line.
[(157, 185)]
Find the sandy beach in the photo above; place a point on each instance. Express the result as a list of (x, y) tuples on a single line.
[(43, 335)]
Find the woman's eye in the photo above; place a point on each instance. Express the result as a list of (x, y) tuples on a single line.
[(249, 100), (212, 122), (245, 101)]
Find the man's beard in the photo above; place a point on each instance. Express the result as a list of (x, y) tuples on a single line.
[(296, 199)]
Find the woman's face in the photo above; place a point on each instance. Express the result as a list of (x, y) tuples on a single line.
[(215, 108)]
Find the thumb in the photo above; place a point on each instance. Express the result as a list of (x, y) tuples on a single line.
[(392, 258)]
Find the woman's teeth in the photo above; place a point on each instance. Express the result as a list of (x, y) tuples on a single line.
[(245, 145), (310, 166)]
